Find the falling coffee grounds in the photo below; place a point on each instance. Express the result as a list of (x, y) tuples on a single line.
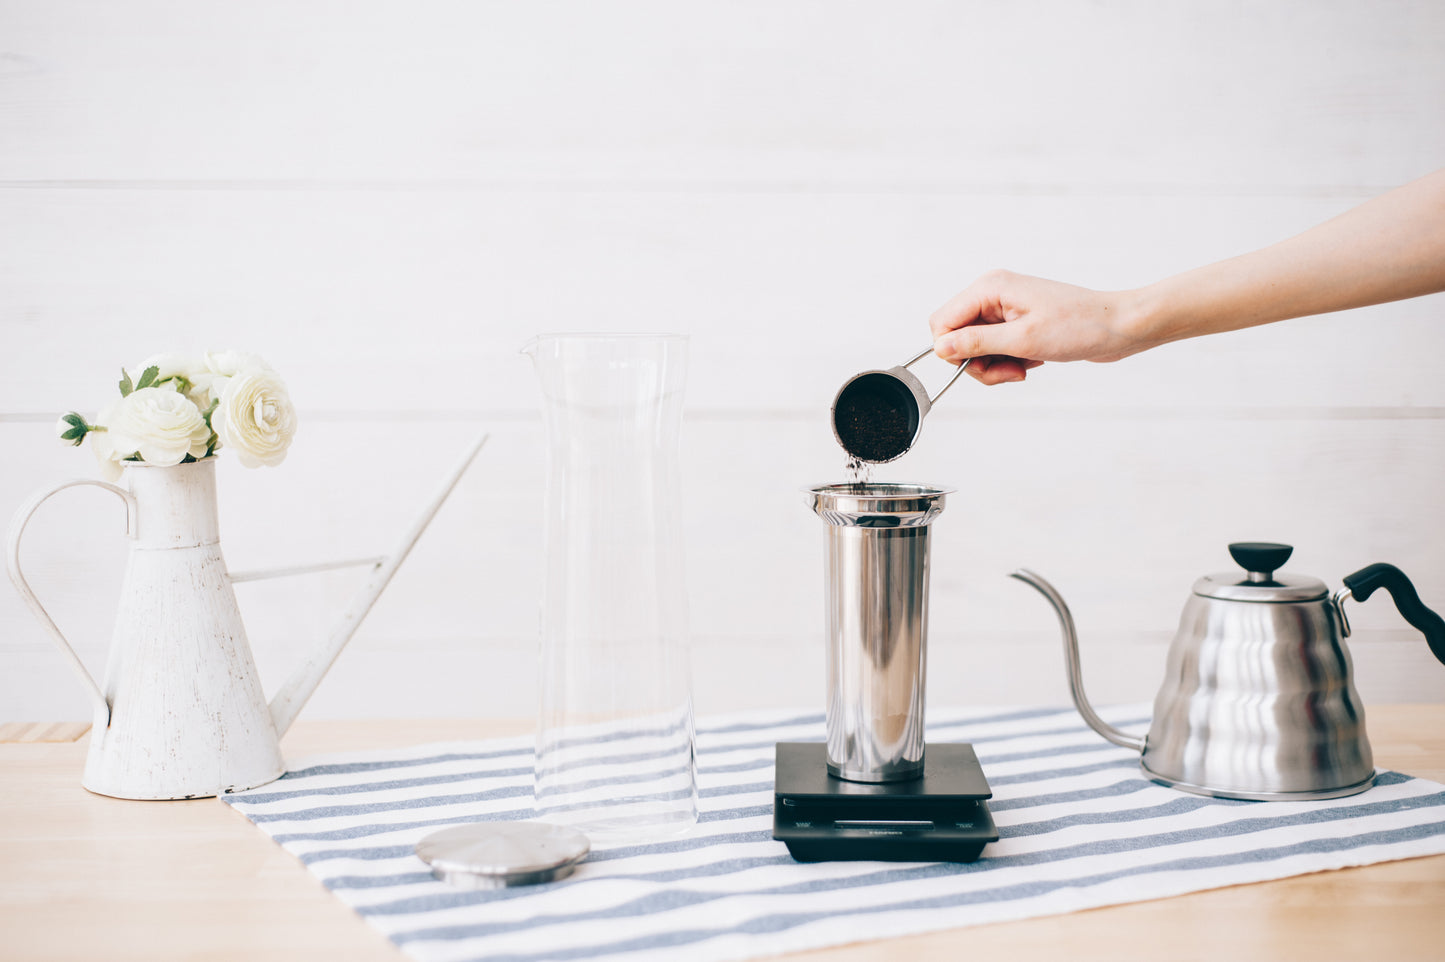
[(872, 419), (858, 471)]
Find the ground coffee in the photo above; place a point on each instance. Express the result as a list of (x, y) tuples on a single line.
[(875, 418)]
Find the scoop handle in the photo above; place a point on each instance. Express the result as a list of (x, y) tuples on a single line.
[(956, 374), (1363, 583)]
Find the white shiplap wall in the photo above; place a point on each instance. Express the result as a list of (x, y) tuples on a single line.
[(387, 199)]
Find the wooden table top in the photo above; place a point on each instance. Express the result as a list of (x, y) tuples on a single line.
[(86, 877)]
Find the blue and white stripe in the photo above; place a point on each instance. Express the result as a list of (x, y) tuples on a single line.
[(1079, 827)]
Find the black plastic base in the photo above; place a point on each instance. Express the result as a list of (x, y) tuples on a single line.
[(940, 817)]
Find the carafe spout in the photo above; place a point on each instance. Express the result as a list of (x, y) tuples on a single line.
[(1071, 657)]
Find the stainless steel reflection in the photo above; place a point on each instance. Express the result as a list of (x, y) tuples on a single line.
[(1257, 701), (1338, 600), (877, 626)]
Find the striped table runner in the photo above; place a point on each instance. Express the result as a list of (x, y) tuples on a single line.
[(1079, 827)]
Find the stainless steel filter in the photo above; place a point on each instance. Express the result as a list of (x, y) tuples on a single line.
[(877, 625)]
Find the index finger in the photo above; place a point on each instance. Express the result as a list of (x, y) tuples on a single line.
[(964, 308)]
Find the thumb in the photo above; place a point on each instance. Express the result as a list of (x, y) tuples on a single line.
[(978, 340)]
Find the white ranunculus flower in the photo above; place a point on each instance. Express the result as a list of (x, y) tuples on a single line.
[(218, 367), (102, 445), (173, 366), (167, 365), (256, 418), (159, 424), (231, 363)]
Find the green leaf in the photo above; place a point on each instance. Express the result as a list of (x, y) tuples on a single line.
[(148, 377), (215, 403), (78, 429), (125, 383)]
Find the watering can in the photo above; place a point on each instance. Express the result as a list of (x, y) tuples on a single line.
[(182, 713)]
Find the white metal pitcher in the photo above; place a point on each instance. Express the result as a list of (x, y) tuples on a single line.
[(182, 714)]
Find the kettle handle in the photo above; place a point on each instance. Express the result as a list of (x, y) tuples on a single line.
[(17, 529), (1363, 583)]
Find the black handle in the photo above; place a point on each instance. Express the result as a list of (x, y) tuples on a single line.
[(1363, 583), (1262, 556)]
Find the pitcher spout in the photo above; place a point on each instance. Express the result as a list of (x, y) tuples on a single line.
[(297, 690), (1075, 670)]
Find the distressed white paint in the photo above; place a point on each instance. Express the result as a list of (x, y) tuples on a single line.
[(388, 200), (182, 713)]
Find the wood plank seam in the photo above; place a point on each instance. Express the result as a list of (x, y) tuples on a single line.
[(17, 732)]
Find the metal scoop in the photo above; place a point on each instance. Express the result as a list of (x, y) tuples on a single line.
[(877, 414)]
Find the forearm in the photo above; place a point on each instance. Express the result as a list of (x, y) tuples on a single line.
[(1389, 248)]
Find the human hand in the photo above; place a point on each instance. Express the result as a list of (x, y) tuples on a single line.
[(1011, 323)]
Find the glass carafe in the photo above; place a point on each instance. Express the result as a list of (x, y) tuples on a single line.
[(615, 743)]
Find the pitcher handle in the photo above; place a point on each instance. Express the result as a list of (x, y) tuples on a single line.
[(17, 529)]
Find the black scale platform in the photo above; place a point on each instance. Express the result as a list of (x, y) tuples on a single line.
[(939, 817)]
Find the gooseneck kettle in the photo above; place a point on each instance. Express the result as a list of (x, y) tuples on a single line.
[(1258, 701)]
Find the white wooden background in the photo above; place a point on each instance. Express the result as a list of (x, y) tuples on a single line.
[(387, 199)]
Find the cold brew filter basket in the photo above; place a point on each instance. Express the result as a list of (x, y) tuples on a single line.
[(877, 625)]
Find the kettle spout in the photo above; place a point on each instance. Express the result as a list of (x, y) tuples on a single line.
[(1071, 657)]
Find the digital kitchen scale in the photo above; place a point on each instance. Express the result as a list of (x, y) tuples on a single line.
[(938, 817)]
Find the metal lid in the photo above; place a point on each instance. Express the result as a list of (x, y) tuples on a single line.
[(488, 855), (1229, 586), (1261, 582)]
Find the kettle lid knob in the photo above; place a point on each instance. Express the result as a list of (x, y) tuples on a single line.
[(1260, 558)]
